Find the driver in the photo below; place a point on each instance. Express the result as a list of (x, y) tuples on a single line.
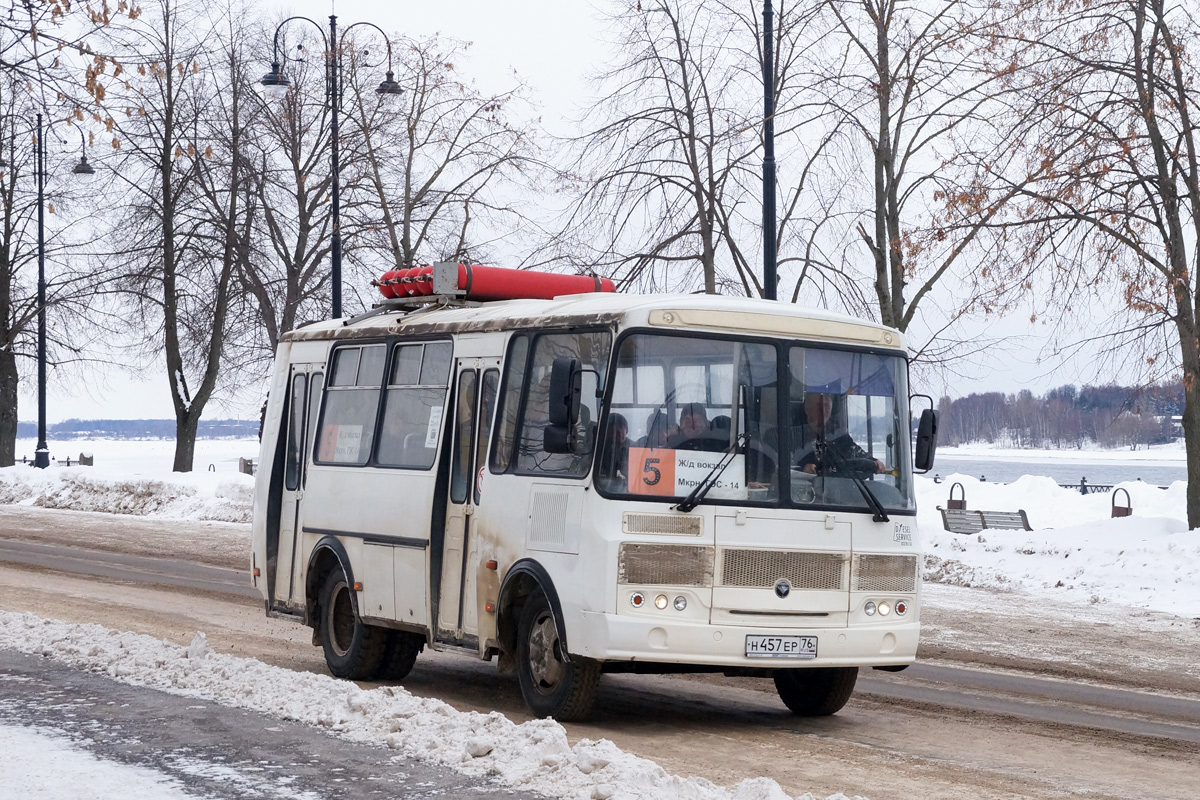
[(819, 436)]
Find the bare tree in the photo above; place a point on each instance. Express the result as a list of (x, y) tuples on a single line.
[(921, 108), (287, 275), (179, 293), (1115, 216), (662, 144), (442, 174)]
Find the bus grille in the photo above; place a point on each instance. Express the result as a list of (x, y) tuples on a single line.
[(877, 573), (664, 565), (675, 524), (765, 568)]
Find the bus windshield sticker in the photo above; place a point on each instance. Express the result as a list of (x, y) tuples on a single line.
[(435, 422), (674, 473)]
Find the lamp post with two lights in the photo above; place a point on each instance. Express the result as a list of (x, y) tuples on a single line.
[(84, 170), (276, 84)]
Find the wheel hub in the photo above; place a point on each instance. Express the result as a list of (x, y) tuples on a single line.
[(341, 620), (545, 661)]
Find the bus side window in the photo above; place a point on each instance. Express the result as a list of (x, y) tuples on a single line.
[(351, 405), (487, 405), (291, 474), (510, 403), (413, 405), (592, 348)]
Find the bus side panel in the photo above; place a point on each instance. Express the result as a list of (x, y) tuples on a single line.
[(389, 507)]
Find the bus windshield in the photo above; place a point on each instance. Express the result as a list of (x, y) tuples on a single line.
[(763, 423)]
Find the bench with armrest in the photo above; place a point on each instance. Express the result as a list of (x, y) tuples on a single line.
[(957, 518)]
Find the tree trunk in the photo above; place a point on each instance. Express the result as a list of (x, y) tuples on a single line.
[(8, 406), (186, 425)]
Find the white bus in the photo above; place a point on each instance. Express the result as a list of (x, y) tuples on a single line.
[(596, 483)]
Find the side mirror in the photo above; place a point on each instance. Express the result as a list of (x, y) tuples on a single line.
[(927, 432), (565, 391), (564, 401)]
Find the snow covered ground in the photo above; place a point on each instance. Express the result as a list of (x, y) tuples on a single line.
[(134, 477), (1076, 554)]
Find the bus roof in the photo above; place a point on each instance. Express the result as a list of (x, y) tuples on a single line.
[(715, 313)]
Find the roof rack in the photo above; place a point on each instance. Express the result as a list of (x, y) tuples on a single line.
[(418, 304)]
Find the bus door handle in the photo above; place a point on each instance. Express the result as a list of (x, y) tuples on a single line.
[(468, 510)]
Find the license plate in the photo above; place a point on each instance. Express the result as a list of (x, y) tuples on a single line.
[(781, 647)]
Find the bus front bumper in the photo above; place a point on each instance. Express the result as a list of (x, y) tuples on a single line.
[(614, 637)]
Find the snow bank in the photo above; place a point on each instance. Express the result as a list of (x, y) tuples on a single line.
[(534, 755), (222, 497), (1076, 552)]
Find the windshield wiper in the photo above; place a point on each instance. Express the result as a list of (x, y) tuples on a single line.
[(710, 480), (872, 501)]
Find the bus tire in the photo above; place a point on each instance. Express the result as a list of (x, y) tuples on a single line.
[(816, 691), (551, 685), (353, 649), (399, 655)]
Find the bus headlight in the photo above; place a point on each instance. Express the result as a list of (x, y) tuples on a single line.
[(680, 603), (869, 609), (660, 602), (884, 608)]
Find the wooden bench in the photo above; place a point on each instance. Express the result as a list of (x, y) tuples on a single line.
[(957, 518), (963, 520)]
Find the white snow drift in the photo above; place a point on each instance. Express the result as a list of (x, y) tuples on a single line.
[(534, 755)]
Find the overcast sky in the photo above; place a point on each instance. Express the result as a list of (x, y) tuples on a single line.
[(554, 47)]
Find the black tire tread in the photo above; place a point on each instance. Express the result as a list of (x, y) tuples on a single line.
[(363, 658), (816, 692), (399, 655), (583, 691)]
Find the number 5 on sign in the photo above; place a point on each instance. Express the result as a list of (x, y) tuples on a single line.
[(651, 471)]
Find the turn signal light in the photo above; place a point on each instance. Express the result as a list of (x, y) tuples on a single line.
[(256, 572), (637, 600), (901, 608), (489, 608), (491, 565), (358, 586)]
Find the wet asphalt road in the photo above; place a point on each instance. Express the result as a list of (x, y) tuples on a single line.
[(215, 752)]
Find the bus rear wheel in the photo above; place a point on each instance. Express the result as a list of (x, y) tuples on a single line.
[(551, 685), (817, 691), (399, 655), (353, 649)]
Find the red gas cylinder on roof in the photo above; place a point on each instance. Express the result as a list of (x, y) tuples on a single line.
[(479, 283)]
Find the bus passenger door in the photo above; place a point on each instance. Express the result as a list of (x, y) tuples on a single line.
[(475, 401), (304, 397)]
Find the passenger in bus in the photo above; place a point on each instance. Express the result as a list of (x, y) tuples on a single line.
[(822, 444), (694, 432), (658, 431), (614, 455)]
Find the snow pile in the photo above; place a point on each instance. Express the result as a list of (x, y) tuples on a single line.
[(193, 495), (534, 755), (28, 751), (1076, 552)]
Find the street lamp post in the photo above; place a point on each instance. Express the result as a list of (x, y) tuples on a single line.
[(276, 84), (769, 254), (41, 456)]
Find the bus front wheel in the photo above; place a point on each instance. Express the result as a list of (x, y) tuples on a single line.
[(551, 685), (816, 691), (353, 649)]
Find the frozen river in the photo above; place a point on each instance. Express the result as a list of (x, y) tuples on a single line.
[(1064, 471)]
